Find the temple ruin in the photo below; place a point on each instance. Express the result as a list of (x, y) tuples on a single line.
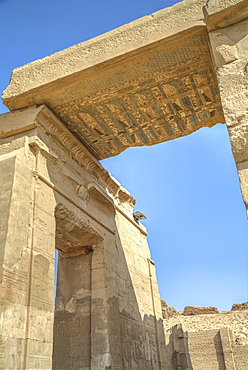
[(158, 78)]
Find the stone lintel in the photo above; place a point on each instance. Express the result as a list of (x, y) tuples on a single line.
[(116, 43), (144, 83)]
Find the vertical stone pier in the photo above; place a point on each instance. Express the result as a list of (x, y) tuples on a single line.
[(227, 23), (27, 247), (158, 78)]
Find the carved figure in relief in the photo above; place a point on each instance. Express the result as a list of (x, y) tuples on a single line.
[(148, 351), (138, 350), (73, 326), (127, 350), (148, 115), (16, 358), (41, 267), (153, 352)]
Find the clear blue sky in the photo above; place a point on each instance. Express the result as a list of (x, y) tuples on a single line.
[(188, 188)]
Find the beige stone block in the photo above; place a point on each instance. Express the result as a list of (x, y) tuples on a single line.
[(13, 320), (222, 13), (14, 288), (224, 48), (39, 348), (45, 197), (44, 216), (99, 279), (16, 122), (44, 242), (8, 146), (115, 43), (44, 232), (39, 355), (11, 350), (99, 320), (38, 363), (243, 178), (98, 257), (45, 158), (141, 264), (40, 325), (16, 183), (236, 113), (42, 288), (233, 79), (7, 168), (239, 142), (101, 361), (230, 43)]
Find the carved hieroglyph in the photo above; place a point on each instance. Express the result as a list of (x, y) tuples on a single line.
[(163, 92), (56, 194), (142, 84), (155, 93)]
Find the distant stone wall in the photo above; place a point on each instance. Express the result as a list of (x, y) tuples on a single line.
[(240, 306), (192, 310), (216, 341)]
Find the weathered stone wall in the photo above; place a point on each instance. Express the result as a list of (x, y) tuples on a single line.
[(215, 341), (241, 356), (230, 54), (56, 195), (140, 308), (193, 310)]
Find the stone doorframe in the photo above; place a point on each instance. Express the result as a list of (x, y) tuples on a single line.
[(45, 172), (82, 330)]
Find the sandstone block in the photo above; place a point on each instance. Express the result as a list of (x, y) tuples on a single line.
[(233, 78), (240, 306), (222, 13), (239, 141), (193, 310)]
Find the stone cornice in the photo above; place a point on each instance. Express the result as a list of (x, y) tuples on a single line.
[(55, 126), (24, 120)]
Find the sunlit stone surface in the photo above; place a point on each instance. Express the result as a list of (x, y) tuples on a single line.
[(155, 79)]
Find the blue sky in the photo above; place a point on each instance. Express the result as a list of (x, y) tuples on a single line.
[(188, 188)]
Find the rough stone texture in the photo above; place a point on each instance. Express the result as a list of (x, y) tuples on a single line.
[(27, 263), (223, 13), (216, 341), (193, 310), (240, 306), (164, 89), (230, 52), (144, 83), (54, 193), (179, 348), (168, 311), (236, 321), (103, 48)]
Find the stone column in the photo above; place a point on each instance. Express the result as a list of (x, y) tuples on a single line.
[(228, 34), (27, 237)]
